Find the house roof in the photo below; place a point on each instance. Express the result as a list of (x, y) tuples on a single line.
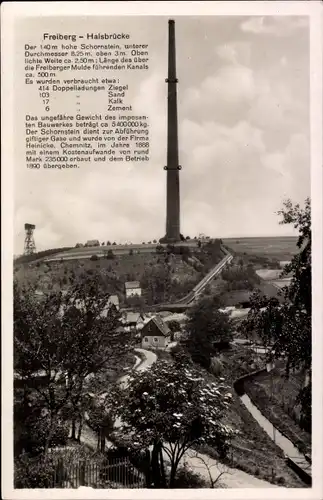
[(132, 317), (113, 300), (162, 327), (132, 284)]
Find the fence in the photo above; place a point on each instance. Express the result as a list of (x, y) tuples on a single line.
[(111, 473)]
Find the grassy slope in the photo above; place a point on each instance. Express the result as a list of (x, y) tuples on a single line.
[(276, 398), (253, 451), (281, 248)]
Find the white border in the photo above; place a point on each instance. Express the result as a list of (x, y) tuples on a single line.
[(10, 12)]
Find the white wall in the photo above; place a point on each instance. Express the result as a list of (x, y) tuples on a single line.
[(154, 342), (133, 291)]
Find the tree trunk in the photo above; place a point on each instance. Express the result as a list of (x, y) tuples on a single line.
[(162, 468), (174, 466), (73, 434), (102, 441), (156, 475), (172, 474), (80, 429), (50, 433), (146, 467)]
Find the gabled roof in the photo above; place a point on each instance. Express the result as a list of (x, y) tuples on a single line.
[(162, 327), (132, 317), (113, 300), (132, 284)]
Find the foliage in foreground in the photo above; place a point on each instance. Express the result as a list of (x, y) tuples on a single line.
[(209, 331), (61, 339), (171, 408), (286, 327)]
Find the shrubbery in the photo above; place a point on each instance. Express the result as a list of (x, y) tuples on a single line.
[(35, 472), (209, 331), (38, 255), (240, 278), (186, 478)]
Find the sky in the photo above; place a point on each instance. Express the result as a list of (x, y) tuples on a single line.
[(244, 145)]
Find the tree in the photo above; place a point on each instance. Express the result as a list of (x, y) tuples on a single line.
[(136, 302), (171, 409), (174, 325), (209, 330), (286, 327), (64, 339), (159, 248), (110, 254), (101, 422), (156, 281)]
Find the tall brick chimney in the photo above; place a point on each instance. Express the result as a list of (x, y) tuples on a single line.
[(172, 167)]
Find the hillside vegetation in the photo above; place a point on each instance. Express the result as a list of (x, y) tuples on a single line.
[(165, 275)]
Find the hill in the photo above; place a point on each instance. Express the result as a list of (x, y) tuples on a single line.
[(165, 276), (280, 248)]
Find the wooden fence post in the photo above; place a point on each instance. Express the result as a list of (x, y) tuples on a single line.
[(82, 473)]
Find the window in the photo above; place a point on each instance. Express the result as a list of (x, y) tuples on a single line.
[(155, 339), (145, 339)]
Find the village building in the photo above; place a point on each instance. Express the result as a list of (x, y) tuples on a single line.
[(132, 289), (92, 243), (155, 334), (133, 320), (112, 304)]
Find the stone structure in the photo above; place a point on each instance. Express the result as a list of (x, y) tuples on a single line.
[(172, 167)]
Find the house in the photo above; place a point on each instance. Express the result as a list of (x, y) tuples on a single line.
[(80, 304), (155, 334), (92, 243), (133, 320), (112, 303), (132, 288)]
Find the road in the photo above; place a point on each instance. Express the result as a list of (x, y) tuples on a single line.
[(140, 366)]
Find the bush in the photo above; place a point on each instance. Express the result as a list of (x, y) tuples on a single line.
[(174, 326), (110, 255), (31, 430), (216, 367), (34, 472), (186, 478), (94, 257)]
